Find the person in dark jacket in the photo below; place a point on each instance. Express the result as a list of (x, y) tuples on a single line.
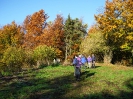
[(93, 60)]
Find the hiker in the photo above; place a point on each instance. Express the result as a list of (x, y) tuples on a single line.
[(77, 66), (74, 63), (89, 59), (79, 62), (84, 61), (93, 61)]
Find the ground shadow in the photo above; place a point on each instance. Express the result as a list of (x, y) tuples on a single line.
[(86, 74), (97, 66)]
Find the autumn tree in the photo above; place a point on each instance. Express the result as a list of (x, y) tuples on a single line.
[(11, 38), (11, 35), (53, 35), (33, 27), (74, 32), (117, 24), (94, 43)]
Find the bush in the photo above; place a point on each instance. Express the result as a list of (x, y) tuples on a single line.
[(44, 55), (3, 69), (29, 60), (13, 58)]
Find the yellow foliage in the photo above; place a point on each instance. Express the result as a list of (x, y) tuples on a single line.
[(117, 22), (130, 38)]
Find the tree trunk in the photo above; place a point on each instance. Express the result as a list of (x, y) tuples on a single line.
[(38, 63), (66, 53), (108, 57), (47, 60)]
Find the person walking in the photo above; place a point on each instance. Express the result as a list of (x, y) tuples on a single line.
[(79, 63), (75, 62), (77, 67), (89, 59), (93, 61), (84, 61)]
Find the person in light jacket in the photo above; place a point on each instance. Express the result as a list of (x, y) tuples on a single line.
[(89, 59)]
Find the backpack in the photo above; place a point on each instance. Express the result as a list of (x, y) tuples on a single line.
[(79, 61), (75, 61)]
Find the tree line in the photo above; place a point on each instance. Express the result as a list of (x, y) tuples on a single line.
[(37, 42)]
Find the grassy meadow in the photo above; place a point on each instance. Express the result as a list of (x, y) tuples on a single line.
[(58, 82)]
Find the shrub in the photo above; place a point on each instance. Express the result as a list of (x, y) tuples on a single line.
[(29, 60), (13, 58), (44, 54)]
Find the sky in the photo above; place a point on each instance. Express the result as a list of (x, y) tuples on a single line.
[(17, 10)]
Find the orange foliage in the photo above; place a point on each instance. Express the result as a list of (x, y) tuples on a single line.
[(94, 28), (53, 34), (11, 35), (33, 26)]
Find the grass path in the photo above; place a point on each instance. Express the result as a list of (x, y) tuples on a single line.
[(103, 82)]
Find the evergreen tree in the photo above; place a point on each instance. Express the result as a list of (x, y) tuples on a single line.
[(74, 32)]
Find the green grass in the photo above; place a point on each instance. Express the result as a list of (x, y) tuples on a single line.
[(103, 82)]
